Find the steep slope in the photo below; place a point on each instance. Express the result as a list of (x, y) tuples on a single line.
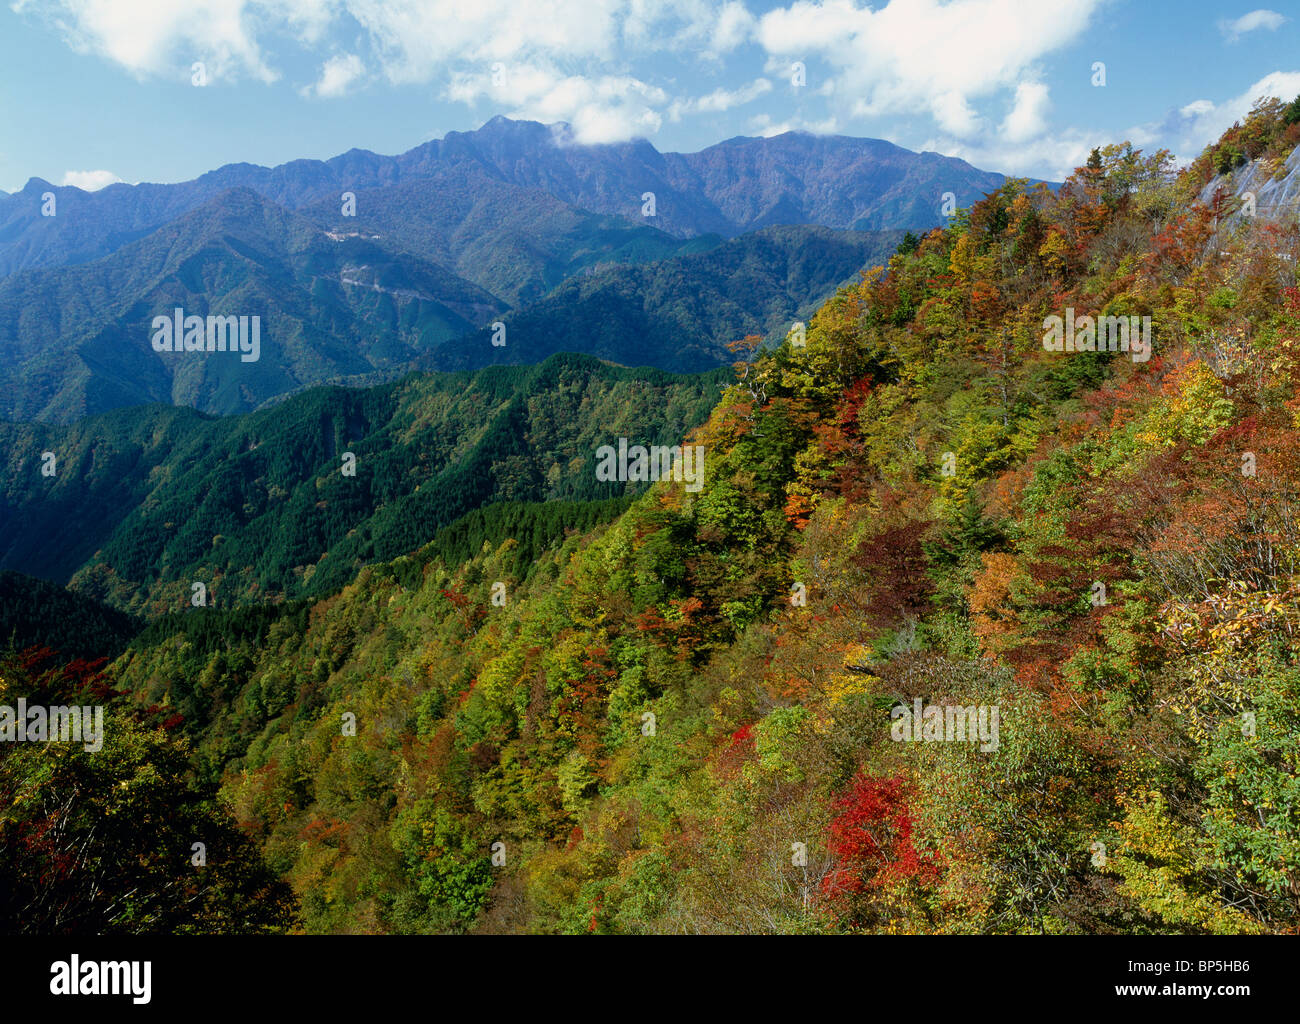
[(517, 243), (360, 301), (1257, 159), (37, 613), (699, 718), (78, 340), (144, 502), (680, 313), (832, 180)]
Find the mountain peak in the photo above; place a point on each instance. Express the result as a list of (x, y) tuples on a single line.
[(501, 121), (502, 125), (729, 188)]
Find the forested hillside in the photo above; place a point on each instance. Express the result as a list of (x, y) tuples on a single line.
[(137, 505), (40, 614), (75, 341), (400, 286), (696, 715), (680, 313), (517, 243)]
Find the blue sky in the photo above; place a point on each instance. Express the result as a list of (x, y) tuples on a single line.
[(93, 91)]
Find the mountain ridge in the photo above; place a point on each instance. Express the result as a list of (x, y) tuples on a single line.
[(522, 153), (320, 302), (144, 500), (353, 303)]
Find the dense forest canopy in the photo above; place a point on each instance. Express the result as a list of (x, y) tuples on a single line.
[(140, 504), (687, 715)]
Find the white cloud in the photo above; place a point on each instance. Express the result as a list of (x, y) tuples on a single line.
[(1265, 19), (567, 58), (602, 108), (1053, 156), (668, 24), (1196, 108), (416, 40), (720, 100), (763, 126), (915, 56), (954, 114), (155, 37), (413, 40), (734, 26), (1028, 117), (90, 181), (1186, 131), (337, 75), (1194, 126), (575, 60)]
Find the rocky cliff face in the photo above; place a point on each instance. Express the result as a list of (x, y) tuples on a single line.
[(1275, 186)]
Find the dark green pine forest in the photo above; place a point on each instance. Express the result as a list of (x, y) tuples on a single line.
[(144, 502)]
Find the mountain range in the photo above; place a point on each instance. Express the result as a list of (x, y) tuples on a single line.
[(735, 186), (352, 308), (363, 268)]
